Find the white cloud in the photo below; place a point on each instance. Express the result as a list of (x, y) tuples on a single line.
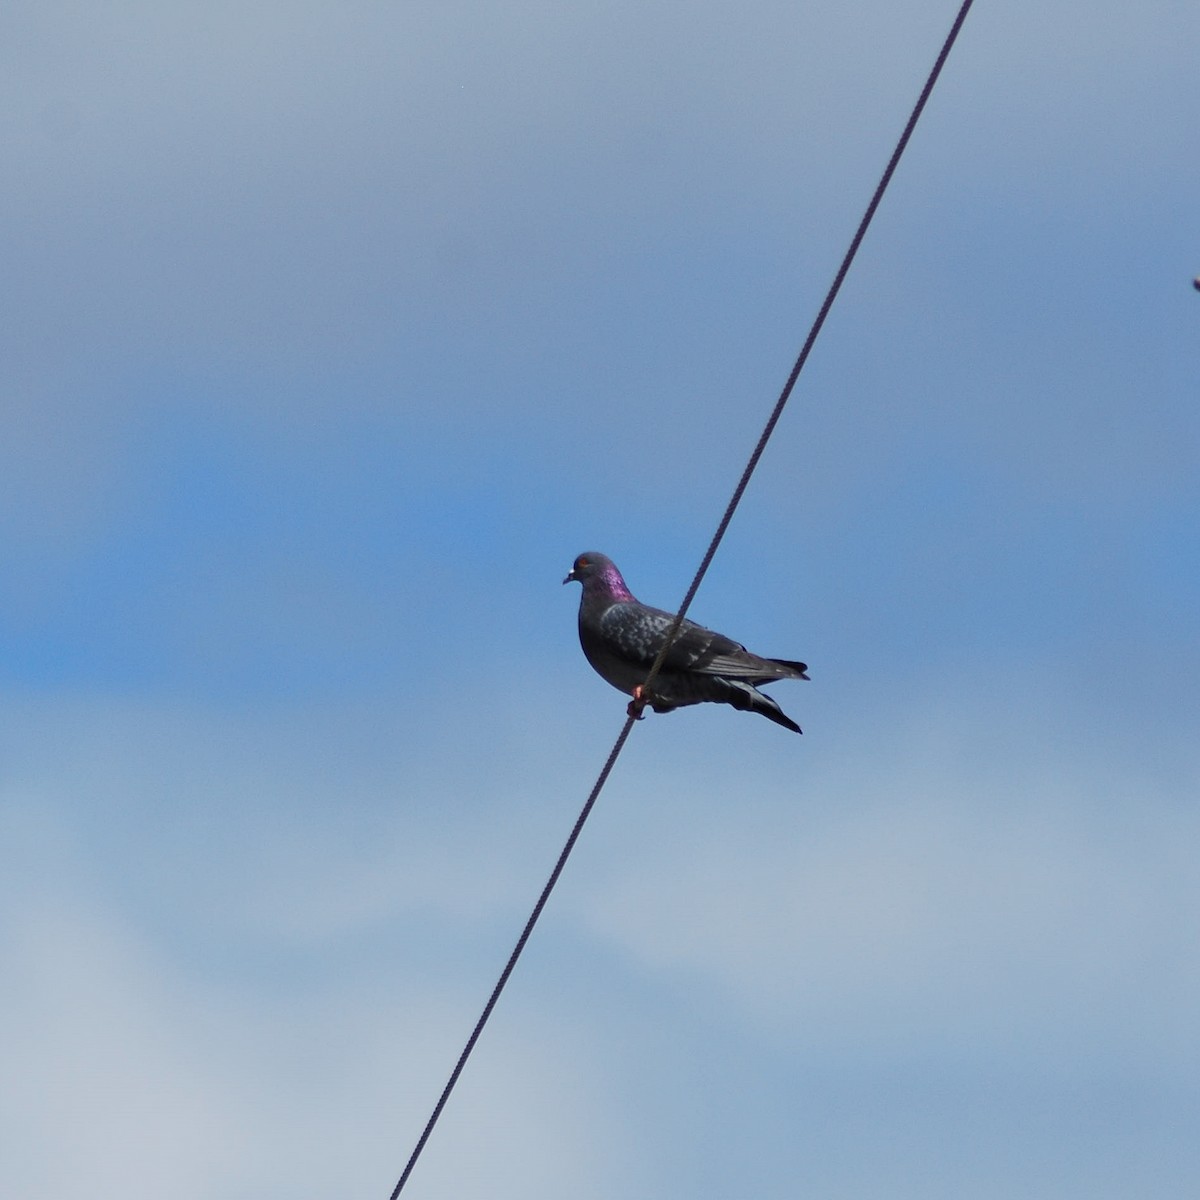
[(937, 894), (102, 1087), (258, 944), (220, 1053)]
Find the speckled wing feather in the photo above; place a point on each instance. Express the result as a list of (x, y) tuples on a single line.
[(636, 632)]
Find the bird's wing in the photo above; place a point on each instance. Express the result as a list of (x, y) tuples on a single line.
[(636, 632), (709, 653), (632, 631)]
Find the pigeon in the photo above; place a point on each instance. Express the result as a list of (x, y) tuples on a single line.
[(621, 639)]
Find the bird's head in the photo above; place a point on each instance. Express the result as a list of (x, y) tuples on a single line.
[(590, 565), (599, 576)]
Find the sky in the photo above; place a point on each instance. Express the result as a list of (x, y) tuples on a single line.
[(331, 334)]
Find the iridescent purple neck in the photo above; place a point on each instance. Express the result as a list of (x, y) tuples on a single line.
[(610, 580)]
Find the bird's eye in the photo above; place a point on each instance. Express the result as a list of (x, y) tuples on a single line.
[(580, 563)]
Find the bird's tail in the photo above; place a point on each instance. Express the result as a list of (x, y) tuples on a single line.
[(746, 698), (795, 670)]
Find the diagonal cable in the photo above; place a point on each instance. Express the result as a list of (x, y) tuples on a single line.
[(613, 755), (673, 632), (802, 358)]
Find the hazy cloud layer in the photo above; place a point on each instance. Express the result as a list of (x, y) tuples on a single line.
[(332, 335)]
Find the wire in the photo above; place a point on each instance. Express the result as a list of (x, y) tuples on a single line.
[(802, 358), (613, 755), (673, 632)]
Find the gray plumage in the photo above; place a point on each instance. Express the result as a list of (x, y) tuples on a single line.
[(622, 637)]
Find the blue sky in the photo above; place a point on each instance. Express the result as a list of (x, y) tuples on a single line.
[(332, 334)]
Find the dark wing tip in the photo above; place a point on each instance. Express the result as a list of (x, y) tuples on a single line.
[(781, 718)]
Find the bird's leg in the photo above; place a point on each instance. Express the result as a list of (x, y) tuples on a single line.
[(637, 703)]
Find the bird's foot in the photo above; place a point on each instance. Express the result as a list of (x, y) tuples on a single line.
[(637, 703)]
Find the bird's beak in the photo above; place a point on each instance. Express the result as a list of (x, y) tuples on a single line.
[(570, 578)]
